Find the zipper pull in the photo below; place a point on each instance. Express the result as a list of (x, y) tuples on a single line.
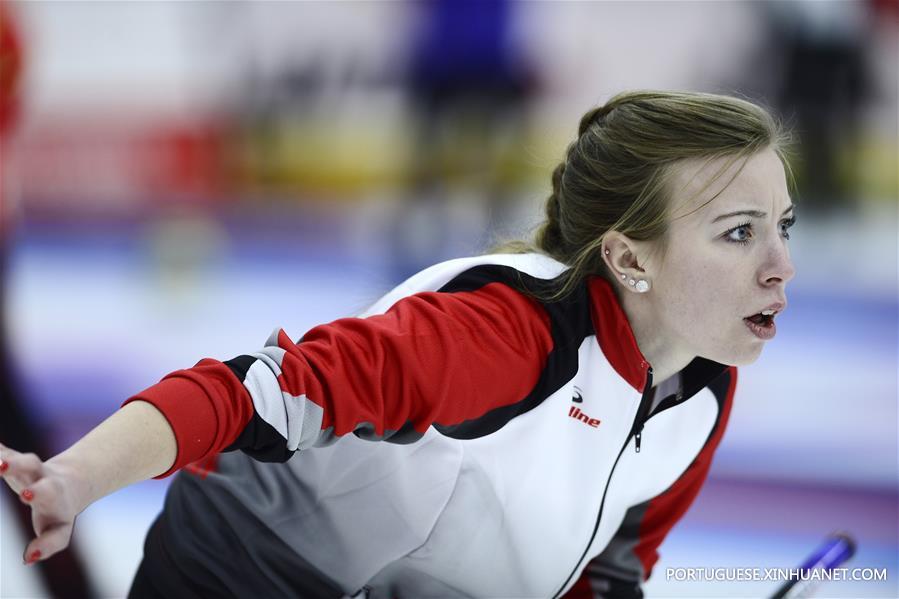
[(641, 416)]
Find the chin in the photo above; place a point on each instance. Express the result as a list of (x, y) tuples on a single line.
[(729, 357)]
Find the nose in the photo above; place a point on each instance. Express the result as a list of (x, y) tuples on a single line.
[(778, 267)]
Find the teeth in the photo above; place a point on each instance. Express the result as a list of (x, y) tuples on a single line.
[(768, 312)]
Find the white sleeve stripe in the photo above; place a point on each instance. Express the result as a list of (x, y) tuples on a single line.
[(309, 428), (262, 383), (295, 418)]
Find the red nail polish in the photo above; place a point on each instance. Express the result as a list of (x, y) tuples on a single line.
[(27, 494), (3, 467), (35, 555)]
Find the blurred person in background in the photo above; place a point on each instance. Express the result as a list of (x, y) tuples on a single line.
[(550, 413), (470, 83), (823, 83), (66, 577)]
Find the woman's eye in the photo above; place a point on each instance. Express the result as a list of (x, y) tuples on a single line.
[(785, 227), (740, 234)]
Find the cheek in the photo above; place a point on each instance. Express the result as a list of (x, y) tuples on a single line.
[(700, 300)]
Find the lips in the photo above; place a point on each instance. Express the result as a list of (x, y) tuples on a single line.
[(761, 324), (766, 329)]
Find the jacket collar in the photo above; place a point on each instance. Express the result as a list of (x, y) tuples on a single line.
[(616, 338)]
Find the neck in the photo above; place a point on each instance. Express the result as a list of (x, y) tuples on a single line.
[(665, 357)]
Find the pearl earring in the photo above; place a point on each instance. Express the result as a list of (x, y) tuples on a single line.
[(642, 286), (623, 277), (607, 252)]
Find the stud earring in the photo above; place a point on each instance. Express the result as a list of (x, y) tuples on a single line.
[(631, 282), (642, 286), (623, 277), (607, 252)]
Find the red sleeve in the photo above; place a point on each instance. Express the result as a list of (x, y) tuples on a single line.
[(206, 406), (434, 358)]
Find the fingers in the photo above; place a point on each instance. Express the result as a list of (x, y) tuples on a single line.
[(46, 496), (54, 539), (19, 469), (52, 516), (52, 512)]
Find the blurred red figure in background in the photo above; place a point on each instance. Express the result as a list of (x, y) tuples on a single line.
[(10, 75), (65, 578)]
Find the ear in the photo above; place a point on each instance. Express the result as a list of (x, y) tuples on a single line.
[(628, 260)]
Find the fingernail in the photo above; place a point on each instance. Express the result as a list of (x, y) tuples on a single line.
[(27, 494), (35, 555), (3, 466)]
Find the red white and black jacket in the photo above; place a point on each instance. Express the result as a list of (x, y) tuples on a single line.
[(526, 454)]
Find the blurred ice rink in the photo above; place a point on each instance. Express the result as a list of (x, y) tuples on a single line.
[(134, 255)]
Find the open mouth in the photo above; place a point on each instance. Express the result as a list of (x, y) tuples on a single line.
[(762, 319), (762, 324)]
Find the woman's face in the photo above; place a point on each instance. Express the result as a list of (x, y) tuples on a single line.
[(725, 262)]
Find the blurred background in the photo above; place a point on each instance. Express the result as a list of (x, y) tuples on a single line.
[(180, 178)]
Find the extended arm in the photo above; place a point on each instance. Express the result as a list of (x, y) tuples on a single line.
[(448, 360), (442, 359), (133, 444)]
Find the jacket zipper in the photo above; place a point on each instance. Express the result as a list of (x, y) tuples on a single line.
[(645, 403), (642, 411), (669, 402)]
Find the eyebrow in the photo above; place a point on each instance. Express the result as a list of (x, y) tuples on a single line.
[(753, 213)]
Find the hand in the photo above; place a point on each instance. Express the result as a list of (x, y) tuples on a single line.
[(132, 445), (55, 495)]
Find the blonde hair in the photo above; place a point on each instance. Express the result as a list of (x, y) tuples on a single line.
[(615, 174)]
